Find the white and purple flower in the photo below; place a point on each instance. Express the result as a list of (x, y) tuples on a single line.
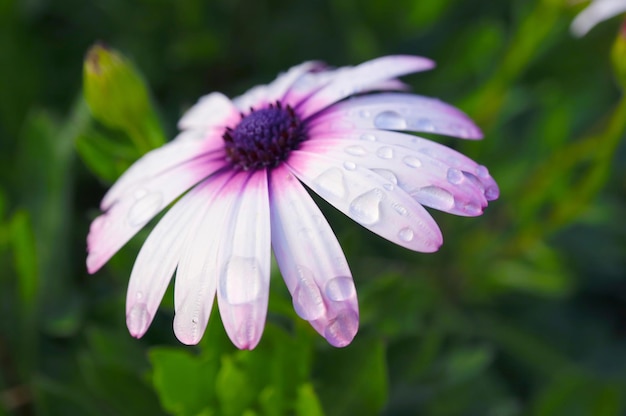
[(238, 168)]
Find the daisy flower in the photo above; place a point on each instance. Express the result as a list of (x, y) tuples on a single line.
[(236, 172), (598, 11)]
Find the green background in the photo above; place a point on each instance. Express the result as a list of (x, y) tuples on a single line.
[(521, 312)]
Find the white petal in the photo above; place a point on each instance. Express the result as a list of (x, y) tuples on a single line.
[(598, 11), (140, 203), (160, 160), (361, 78), (430, 181), (396, 111), (197, 273), (369, 199), (214, 110), (311, 261), (244, 258), (157, 260), (282, 84)]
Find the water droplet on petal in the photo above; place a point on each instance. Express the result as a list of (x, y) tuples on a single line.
[(331, 182), (365, 114), (365, 208), (140, 193), (412, 161), (307, 299), (356, 150), (340, 288), (492, 193), (385, 152), (406, 234), (434, 197), (368, 137), (349, 165), (342, 329), (471, 209), (241, 280), (424, 124), (455, 176), (482, 171), (139, 295), (387, 174), (145, 208), (390, 120), (472, 178), (138, 319), (400, 209)]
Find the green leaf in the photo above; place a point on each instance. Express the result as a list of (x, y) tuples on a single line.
[(307, 403), (353, 380), (25, 256), (187, 384)]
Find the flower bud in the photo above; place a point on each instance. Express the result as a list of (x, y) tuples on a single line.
[(115, 92)]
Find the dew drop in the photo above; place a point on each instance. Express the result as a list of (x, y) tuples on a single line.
[(356, 150), (340, 288), (387, 174), (435, 197), (390, 120), (242, 280), (331, 182), (471, 209), (385, 152), (424, 124), (455, 176), (400, 209), (138, 319), (307, 299), (412, 161), (342, 329), (482, 171), (365, 208), (140, 193), (349, 165), (365, 114), (406, 234), (145, 208), (492, 193), (474, 179), (368, 137)]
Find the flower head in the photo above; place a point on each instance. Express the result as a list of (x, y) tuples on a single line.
[(240, 165), (598, 11)]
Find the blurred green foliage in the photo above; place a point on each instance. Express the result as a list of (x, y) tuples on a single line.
[(522, 312)]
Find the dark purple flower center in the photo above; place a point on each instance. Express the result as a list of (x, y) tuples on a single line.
[(264, 138)]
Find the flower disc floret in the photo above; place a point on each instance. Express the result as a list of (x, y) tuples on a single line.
[(264, 138)]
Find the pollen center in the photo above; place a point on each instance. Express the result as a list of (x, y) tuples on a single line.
[(264, 138)]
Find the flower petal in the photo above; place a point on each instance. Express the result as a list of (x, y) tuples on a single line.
[(311, 261), (197, 273), (140, 203), (369, 199), (186, 147), (157, 260), (396, 111), (214, 110), (360, 78), (430, 181), (244, 257)]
